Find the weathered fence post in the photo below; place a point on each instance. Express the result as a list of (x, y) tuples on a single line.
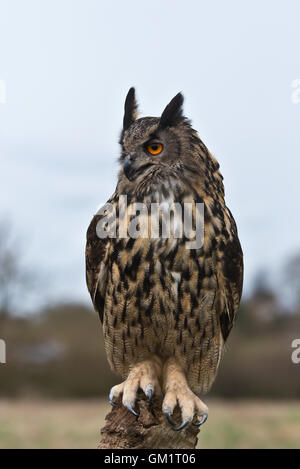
[(149, 431)]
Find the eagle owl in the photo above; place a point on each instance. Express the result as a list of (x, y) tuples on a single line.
[(167, 309)]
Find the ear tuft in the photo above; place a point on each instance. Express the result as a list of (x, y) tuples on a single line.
[(173, 113), (130, 109)]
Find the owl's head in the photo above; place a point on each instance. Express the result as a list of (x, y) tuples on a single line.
[(154, 148)]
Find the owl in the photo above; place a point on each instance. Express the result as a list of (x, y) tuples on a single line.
[(167, 301)]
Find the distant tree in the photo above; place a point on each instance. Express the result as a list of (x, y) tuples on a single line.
[(261, 285), (14, 281), (263, 305), (291, 280)]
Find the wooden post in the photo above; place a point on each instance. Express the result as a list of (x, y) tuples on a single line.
[(149, 431)]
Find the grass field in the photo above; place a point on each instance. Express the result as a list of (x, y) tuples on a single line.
[(76, 424)]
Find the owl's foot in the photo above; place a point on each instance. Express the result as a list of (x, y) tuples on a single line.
[(143, 375), (177, 391)]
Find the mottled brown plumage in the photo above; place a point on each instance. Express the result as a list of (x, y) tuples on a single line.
[(157, 299)]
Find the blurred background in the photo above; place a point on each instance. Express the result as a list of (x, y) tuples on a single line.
[(65, 69)]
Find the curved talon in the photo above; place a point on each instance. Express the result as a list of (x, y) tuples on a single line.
[(149, 393), (202, 421), (169, 418), (111, 400), (129, 407), (183, 425)]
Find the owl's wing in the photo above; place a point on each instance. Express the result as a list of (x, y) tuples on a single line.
[(232, 282), (96, 265)]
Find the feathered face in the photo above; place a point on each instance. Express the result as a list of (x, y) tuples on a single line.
[(152, 144), (159, 151)]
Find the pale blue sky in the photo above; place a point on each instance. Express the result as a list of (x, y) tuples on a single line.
[(68, 65)]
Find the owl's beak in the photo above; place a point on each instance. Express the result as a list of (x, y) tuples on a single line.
[(134, 167), (127, 167)]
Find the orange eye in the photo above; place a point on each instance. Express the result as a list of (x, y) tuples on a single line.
[(154, 148)]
